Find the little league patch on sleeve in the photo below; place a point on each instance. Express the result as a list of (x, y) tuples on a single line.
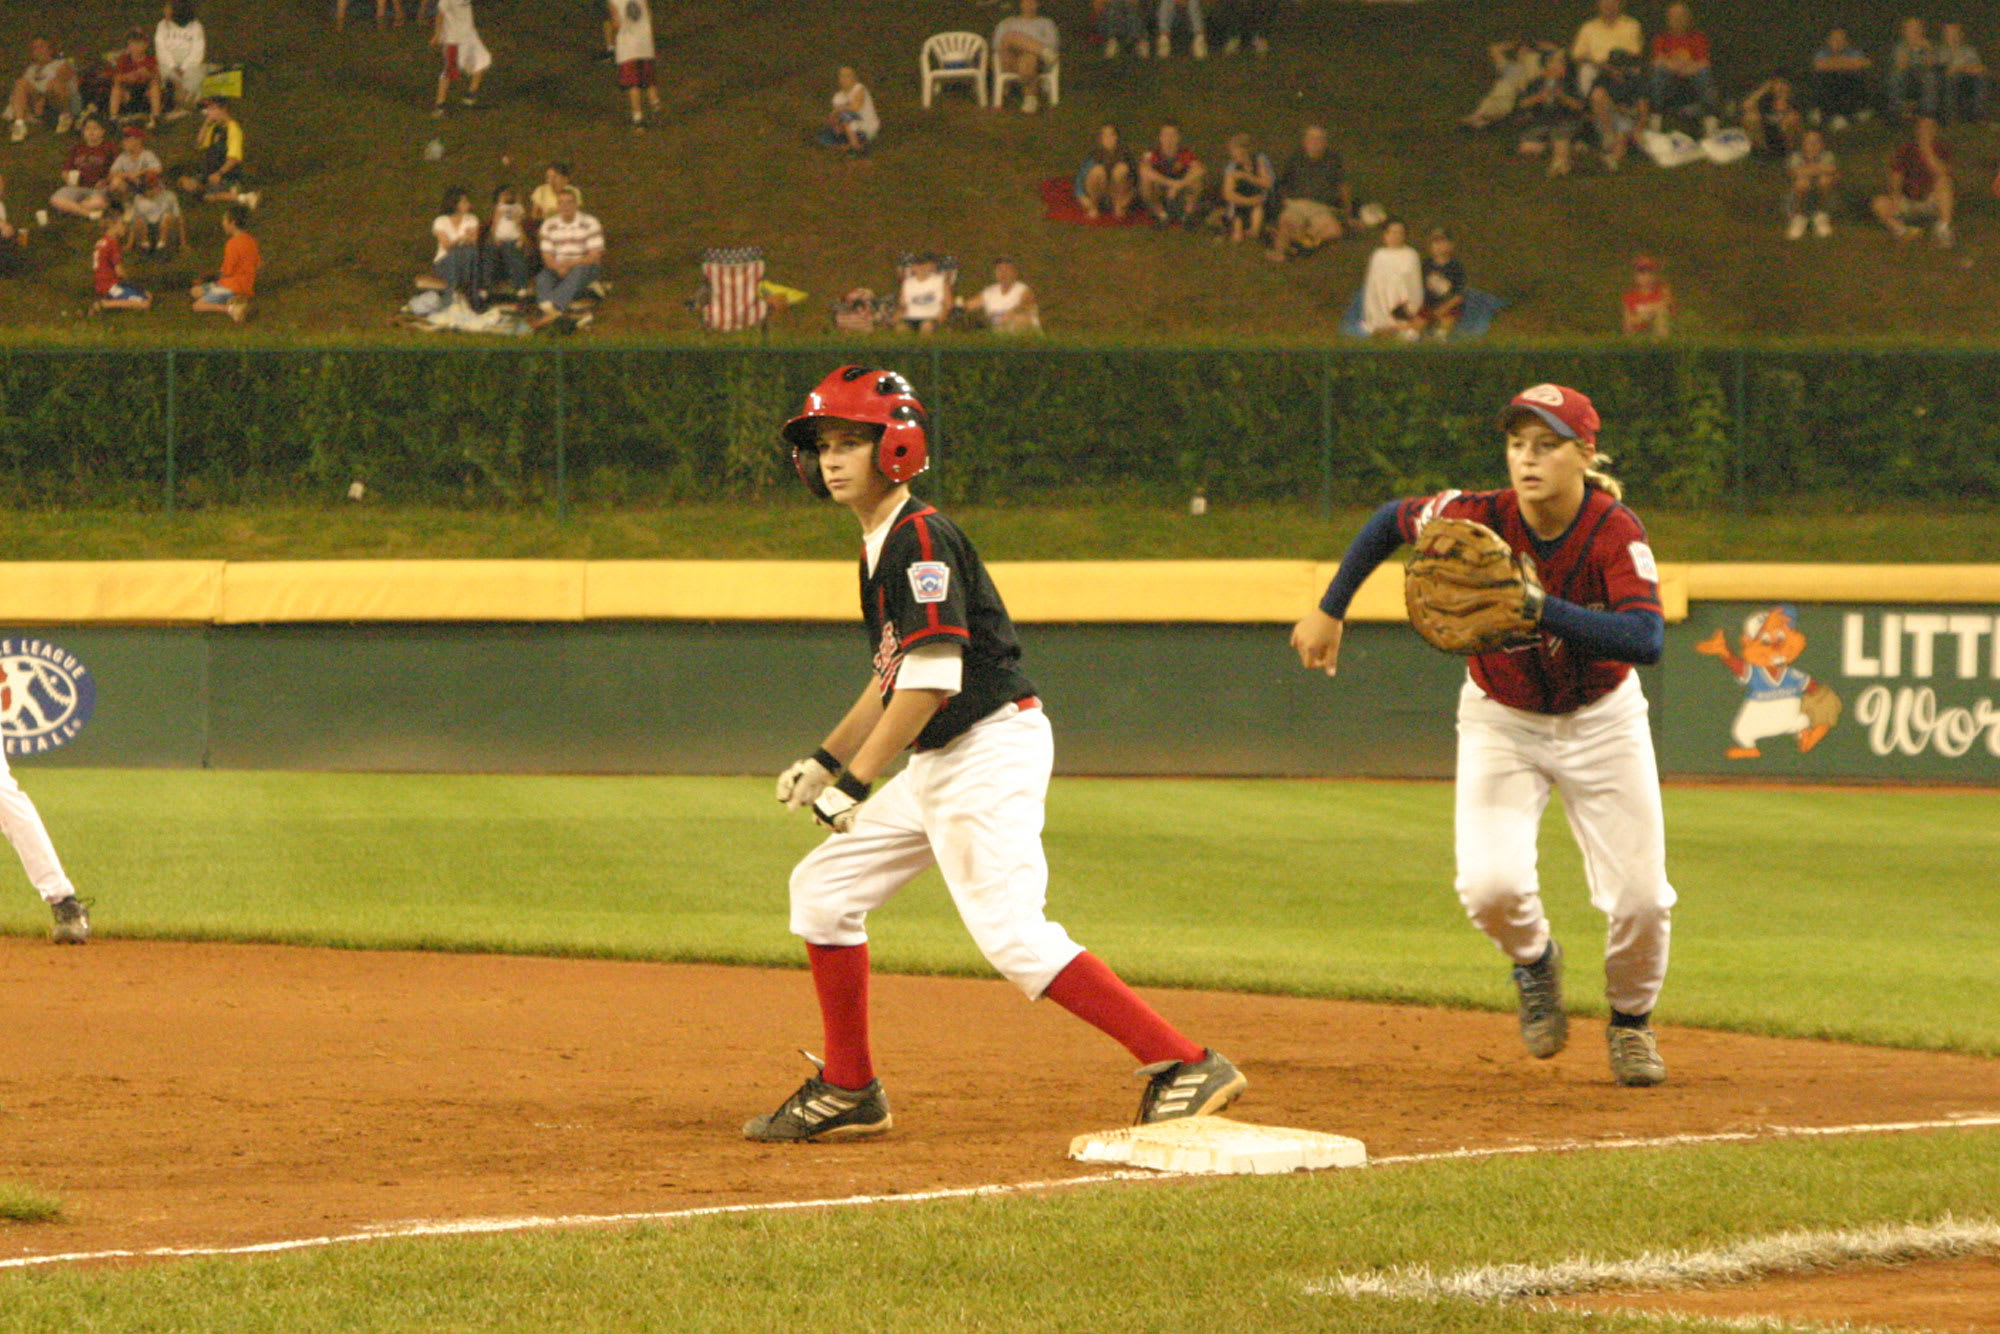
[(930, 580), (1643, 562)]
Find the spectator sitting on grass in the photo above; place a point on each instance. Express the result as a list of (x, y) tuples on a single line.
[(1612, 126), (1961, 76), (852, 124), (1840, 80), (1772, 119), (1008, 304), (86, 168), (181, 44), (1810, 199), (1681, 75), (1555, 111), (1444, 285), (1025, 45), (136, 72), (572, 244), (1392, 293), (10, 235), (1171, 178), (1517, 64), (155, 214), (230, 291), (1107, 178), (1247, 182), (1163, 24), (1316, 198), (1649, 301), (1245, 20), (1611, 29), (218, 175), (455, 267), (133, 164), (1913, 71), (545, 201), (50, 79), (925, 296), (1122, 26), (107, 262), (507, 268), (1920, 186)]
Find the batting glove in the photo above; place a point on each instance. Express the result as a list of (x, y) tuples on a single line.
[(800, 785), (839, 806)]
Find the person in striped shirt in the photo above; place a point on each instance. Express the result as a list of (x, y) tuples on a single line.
[(572, 244)]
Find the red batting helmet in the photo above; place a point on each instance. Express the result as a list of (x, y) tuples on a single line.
[(859, 394)]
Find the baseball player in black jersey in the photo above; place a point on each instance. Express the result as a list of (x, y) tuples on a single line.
[(947, 680)]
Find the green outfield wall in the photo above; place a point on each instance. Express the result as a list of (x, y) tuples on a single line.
[(1919, 687)]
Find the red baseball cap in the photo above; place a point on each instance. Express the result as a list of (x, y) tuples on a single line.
[(1568, 413)]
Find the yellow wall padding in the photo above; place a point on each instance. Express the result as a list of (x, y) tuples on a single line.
[(722, 590), (1749, 581), (256, 592), (127, 591)]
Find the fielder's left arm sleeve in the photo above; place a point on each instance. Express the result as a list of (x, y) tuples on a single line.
[(1638, 636)]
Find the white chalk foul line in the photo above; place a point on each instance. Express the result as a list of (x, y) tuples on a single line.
[(532, 1223)]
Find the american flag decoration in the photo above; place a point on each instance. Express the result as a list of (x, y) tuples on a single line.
[(732, 275)]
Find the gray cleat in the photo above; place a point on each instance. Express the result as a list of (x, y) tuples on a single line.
[(1544, 1026), (823, 1111), (1175, 1089), (1635, 1057), (72, 921)]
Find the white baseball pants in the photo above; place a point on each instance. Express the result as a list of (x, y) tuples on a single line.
[(22, 824), (1601, 758), (973, 808)]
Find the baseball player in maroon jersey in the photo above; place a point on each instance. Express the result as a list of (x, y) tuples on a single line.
[(1563, 710), (947, 680)]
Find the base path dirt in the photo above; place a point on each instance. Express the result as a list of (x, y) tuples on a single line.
[(1934, 1296), (214, 1095)]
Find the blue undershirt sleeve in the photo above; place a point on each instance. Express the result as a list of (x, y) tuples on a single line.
[(1375, 543), (1619, 636)]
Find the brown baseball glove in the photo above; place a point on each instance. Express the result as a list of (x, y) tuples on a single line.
[(1469, 592), (1821, 705)]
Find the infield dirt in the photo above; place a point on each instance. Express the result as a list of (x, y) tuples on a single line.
[(215, 1095)]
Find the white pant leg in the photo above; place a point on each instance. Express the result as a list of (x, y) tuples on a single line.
[(984, 802), (1610, 786), (1501, 794), (22, 824), (837, 884)]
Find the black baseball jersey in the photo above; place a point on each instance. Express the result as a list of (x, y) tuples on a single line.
[(930, 586)]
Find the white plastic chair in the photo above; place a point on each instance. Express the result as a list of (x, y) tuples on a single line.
[(1050, 78), (950, 57)]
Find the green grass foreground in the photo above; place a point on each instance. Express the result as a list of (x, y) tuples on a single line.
[(1859, 914), (1254, 1254), (1061, 528), (25, 1204)]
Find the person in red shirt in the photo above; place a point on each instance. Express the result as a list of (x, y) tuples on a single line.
[(230, 291), (107, 262), (1649, 301), (1170, 178), (86, 169), (1681, 77), (136, 71), (1920, 186), (1562, 710)]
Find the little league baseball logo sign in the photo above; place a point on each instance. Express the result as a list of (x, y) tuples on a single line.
[(46, 696)]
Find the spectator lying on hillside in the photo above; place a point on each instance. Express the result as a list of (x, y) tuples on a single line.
[(1840, 80), (48, 81), (1392, 293), (86, 168), (1009, 305), (1517, 64), (1108, 178), (1240, 21), (136, 74), (926, 295), (1961, 76), (1682, 81), (115, 290), (1316, 198), (1772, 118), (852, 123), (1171, 178), (1197, 23), (1444, 285), (1554, 109), (1920, 186), (181, 45), (1247, 181), (506, 267), (155, 216), (1025, 45), (1649, 301), (455, 266), (230, 291), (1122, 27), (1913, 71), (1610, 30), (1810, 199), (572, 244), (134, 163)]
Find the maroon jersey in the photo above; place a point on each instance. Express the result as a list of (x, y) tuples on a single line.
[(1602, 562)]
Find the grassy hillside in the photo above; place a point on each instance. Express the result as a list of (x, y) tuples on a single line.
[(337, 123)]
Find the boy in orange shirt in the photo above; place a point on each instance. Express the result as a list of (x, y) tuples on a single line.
[(229, 292)]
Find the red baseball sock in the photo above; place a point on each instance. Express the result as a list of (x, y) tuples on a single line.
[(840, 976), (1093, 993)]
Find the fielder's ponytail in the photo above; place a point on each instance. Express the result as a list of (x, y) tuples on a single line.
[(1595, 475)]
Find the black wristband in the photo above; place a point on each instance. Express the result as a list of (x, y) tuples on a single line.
[(852, 786), (824, 759)]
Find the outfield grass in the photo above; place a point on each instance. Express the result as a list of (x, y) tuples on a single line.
[(1861, 914), (1244, 1254), (1059, 528), (25, 1204), (337, 123)]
